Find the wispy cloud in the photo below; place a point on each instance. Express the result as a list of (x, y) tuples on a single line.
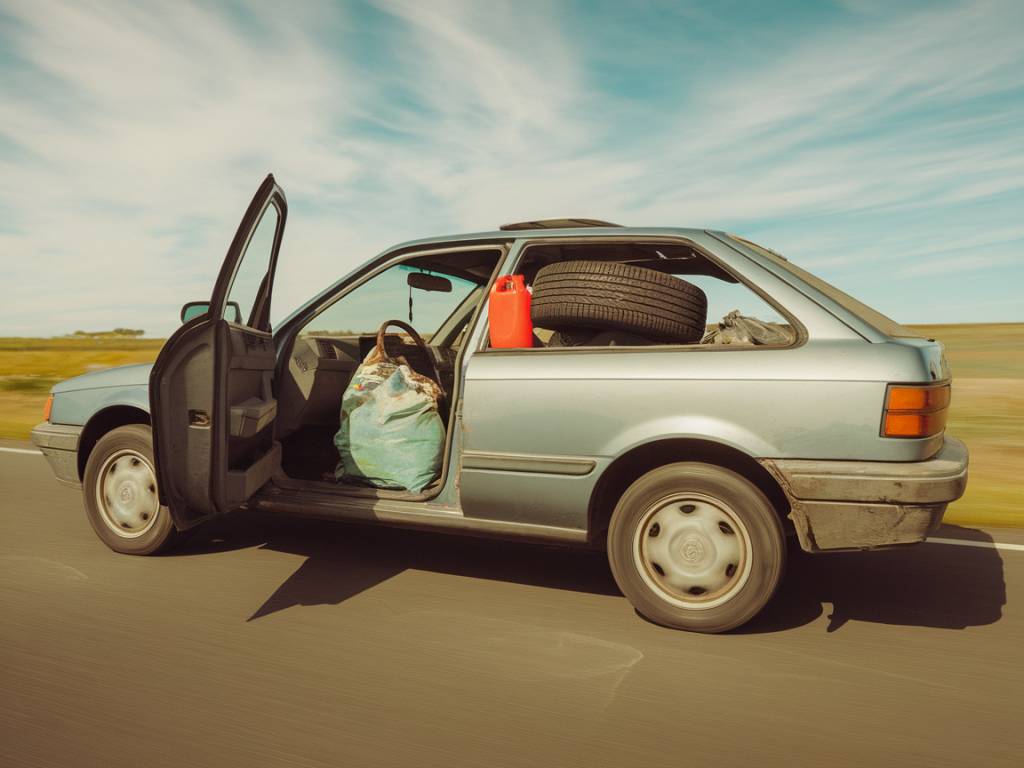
[(135, 136), (965, 261), (131, 136)]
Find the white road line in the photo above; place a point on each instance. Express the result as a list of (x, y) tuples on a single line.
[(986, 544), (31, 451)]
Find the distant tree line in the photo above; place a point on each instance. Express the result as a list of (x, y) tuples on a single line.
[(115, 332)]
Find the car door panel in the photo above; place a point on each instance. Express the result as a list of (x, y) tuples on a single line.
[(516, 462), (251, 409), (212, 387), (185, 440)]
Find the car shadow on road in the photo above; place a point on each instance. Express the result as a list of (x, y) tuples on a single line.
[(345, 559), (927, 585)]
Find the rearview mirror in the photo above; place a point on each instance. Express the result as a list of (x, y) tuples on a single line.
[(425, 282), (232, 312)]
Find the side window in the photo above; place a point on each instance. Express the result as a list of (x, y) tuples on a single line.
[(389, 296), (738, 317), (253, 268), (725, 298), (623, 294)]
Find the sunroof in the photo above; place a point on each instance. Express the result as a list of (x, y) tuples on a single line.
[(556, 224)]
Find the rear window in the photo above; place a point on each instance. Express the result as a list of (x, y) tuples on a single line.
[(874, 318)]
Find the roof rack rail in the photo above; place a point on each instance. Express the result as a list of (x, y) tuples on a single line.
[(556, 224)]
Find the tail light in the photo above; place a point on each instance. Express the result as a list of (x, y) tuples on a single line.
[(48, 408), (915, 411)]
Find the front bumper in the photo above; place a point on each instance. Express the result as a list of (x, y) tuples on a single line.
[(59, 444), (868, 504)]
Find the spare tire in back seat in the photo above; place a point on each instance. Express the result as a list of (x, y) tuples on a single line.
[(613, 296)]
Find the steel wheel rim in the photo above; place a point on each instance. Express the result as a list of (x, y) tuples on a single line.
[(126, 494), (692, 550)]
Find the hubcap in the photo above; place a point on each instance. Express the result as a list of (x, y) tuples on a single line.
[(126, 493), (692, 550)]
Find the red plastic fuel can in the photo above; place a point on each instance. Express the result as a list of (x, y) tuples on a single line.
[(508, 312)]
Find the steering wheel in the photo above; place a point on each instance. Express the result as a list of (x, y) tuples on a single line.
[(418, 340)]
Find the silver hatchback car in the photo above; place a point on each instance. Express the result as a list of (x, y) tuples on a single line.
[(694, 453)]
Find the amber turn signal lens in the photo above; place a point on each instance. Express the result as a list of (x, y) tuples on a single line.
[(915, 411), (914, 424), (918, 398), (48, 408)]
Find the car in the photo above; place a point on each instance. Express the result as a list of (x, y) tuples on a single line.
[(696, 458)]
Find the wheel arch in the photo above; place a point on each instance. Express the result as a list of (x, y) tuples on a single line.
[(639, 460), (102, 422)]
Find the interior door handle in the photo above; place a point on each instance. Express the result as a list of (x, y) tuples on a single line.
[(198, 419)]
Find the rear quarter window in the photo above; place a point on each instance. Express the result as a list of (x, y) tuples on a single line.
[(874, 318)]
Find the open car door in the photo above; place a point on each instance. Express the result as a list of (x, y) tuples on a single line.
[(211, 390)]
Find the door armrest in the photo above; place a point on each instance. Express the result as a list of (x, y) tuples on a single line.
[(250, 416)]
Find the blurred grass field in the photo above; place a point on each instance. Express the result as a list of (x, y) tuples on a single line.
[(29, 367), (987, 413), (987, 410)]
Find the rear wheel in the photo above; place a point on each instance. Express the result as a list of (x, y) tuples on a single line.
[(695, 546), (121, 499)]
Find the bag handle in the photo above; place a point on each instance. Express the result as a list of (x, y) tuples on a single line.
[(382, 351)]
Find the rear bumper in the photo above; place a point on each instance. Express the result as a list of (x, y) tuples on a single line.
[(868, 504), (59, 444)]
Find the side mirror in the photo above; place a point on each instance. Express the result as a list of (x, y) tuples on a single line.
[(432, 283), (232, 312)]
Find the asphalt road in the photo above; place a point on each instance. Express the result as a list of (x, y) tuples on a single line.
[(291, 642)]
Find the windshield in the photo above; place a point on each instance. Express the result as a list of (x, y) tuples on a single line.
[(388, 296)]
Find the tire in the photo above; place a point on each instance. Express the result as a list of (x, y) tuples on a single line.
[(120, 494), (688, 527), (623, 297)]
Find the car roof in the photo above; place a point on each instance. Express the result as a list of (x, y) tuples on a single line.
[(568, 223), (547, 232)]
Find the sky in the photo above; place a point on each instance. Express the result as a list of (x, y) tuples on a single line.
[(878, 144)]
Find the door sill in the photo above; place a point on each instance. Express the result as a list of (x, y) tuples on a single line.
[(329, 488), (404, 513)]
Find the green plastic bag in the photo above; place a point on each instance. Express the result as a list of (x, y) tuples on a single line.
[(391, 433)]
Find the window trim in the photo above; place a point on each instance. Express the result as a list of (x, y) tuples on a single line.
[(260, 310), (800, 339)]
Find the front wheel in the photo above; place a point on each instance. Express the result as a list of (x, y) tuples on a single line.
[(121, 499), (695, 546)]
